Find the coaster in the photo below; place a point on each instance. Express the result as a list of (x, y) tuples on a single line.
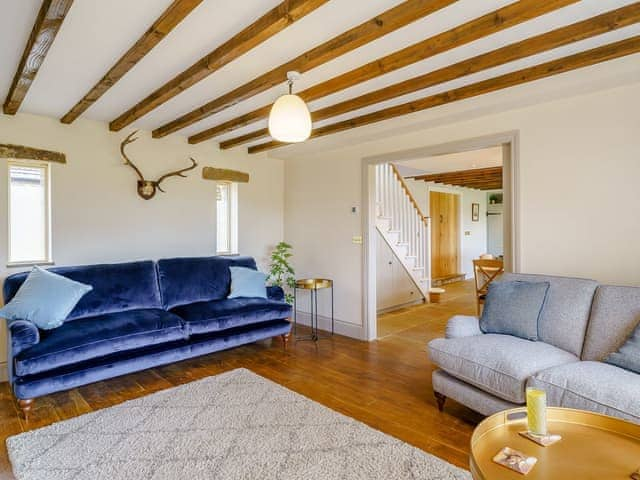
[(515, 460), (544, 440)]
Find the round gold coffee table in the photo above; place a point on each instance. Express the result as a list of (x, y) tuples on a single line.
[(593, 446)]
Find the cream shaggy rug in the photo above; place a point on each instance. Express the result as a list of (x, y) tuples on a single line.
[(236, 425)]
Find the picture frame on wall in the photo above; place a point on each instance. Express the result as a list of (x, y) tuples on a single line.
[(475, 212)]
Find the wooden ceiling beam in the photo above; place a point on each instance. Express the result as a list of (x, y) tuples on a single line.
[(49, 20), (172, 16), (481, 178), (594, 56), (274, 21), (493, 185), (449, 179), (591, 27), (475, 29), (470, 171), (374, 28)]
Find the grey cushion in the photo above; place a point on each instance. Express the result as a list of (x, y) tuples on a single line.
[(513, 308), (564, 317), (614, 316), (498, 364), (593, 386), (474, 398), (460, 326), (628, 356)]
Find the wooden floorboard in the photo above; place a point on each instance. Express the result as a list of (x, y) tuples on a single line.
[(385, 384)]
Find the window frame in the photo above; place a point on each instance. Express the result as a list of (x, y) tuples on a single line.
[(46, 167), (232, 216)]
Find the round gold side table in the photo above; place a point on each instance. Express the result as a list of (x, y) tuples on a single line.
[(312, 285), (593, 446)]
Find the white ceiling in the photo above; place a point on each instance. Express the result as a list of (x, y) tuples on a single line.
[(96, 33), (453, 162)]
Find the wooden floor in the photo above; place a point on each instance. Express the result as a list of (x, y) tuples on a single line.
[(385, 384)]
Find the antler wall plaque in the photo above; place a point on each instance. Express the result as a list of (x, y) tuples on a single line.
[(147, 188)]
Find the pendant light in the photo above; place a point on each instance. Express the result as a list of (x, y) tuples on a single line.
[(289, 119)]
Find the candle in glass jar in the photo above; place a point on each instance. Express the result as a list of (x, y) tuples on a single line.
[(537, 411)]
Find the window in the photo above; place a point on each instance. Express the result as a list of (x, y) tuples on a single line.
[(227, 218), (29, 215)]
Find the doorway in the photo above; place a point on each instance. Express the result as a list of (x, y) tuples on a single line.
[(452, 229)]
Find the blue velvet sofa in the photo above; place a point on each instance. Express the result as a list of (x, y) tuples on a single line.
[(138, 315)]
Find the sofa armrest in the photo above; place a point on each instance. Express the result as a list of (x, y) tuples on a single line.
[(22, 335), (462, 326), (275, 292)]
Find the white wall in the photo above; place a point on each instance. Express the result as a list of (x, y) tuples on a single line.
[(475, 243), (495, 226), (97, 215), (579, 167)]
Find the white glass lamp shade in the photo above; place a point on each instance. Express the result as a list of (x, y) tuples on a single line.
[(289, 119)]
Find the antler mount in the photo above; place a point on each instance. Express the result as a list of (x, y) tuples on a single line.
[(147, 188)]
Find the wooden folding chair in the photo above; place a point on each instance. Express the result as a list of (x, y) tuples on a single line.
[(485, 271)]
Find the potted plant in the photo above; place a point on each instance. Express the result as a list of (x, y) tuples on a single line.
[(282, 273)]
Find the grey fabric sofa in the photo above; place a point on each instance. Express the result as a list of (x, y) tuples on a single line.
[(579, 325)]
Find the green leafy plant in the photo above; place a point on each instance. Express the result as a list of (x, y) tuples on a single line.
[(282, 273)]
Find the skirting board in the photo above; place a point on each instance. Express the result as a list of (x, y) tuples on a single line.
[(4, 373), (402, 305), (324, 323)]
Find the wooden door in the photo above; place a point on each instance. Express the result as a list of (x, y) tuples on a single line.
[(444, 210)]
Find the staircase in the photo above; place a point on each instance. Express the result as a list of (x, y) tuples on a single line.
[(403, 225)]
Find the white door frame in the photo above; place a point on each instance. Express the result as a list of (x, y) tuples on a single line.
[(510, 176)]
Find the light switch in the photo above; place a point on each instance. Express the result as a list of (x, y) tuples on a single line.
[(357, 240)]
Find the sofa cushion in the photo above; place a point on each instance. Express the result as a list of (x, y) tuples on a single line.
[(614, 316), (247, 283), (45, 298), (498, 364), (216, 315), (116, 287), (513, 308), (594, 386), (197, 279), (628, 356), (98, 336), (564, 317)]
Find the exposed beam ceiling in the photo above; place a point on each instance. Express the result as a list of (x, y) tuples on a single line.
[(49, 20), (265, 27), (479, 178), (483, 26), (393, 19), (598, 25), (171, 17), (583, 59)]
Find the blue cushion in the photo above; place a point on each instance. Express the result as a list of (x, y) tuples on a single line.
[(217, 315), (45, 299), (197, 279), (513, 308), (628, 356), (134, 360), (116, 287), (247, 283), (98, 336)]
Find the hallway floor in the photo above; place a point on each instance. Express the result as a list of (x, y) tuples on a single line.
[(459, 298)]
